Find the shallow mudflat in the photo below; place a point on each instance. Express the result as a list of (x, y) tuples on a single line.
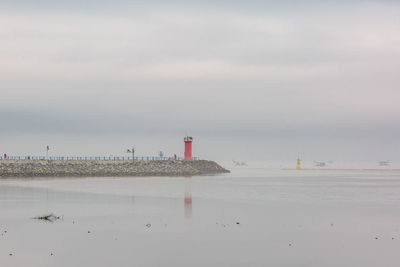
[(250, 217)]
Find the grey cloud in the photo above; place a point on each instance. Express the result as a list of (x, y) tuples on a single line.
[(252, 72)]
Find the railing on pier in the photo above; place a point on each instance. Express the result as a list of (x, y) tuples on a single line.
[(144, 158)]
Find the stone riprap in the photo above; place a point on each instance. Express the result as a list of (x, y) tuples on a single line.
[(93, 168)]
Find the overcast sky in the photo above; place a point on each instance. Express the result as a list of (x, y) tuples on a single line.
[(249, 80)]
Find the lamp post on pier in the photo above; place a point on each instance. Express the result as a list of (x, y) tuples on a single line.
[(131, 151), (47, 152)]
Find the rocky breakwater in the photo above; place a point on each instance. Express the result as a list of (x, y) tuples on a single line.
[(93, 168)]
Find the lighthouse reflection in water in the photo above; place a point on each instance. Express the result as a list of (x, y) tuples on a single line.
[(188, 198)]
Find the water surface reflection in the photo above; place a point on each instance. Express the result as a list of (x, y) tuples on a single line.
[(188, 199)]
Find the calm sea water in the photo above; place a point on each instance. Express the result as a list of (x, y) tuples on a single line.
[(251, 217)]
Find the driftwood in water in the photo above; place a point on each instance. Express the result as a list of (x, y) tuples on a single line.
[(50, 217)]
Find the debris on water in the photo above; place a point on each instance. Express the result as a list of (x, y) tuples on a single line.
[(290, 244), (237, 223), (49, 218), (331, 224), (51, 254), (148, 225), (376, 238), (88, 232), (10, 254)]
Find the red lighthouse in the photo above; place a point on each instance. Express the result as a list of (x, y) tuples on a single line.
[(188, 148)]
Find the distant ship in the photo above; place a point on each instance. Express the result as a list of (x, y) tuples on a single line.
[(239, 163), (319, 164), (322, 163), (384, 163)]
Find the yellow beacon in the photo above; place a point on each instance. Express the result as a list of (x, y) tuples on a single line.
[(298, 167)]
